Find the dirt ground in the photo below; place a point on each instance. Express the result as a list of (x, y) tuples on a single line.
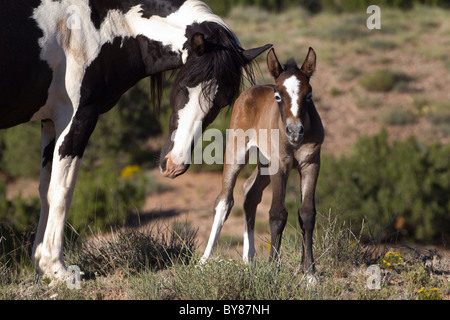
[(190, 199)]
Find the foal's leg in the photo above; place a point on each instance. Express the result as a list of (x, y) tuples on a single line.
[(278, 214), (224, 204), (309, 173), (253, 191), (48, 145)]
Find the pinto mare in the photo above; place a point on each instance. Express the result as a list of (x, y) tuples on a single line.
[(286, 108), (66, 62)]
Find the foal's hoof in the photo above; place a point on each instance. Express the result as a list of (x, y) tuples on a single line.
[(311, 280)]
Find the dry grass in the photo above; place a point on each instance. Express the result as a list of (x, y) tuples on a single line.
[(342, 263)]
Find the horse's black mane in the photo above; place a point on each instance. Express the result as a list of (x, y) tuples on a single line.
[(156, 90), (222, 60)]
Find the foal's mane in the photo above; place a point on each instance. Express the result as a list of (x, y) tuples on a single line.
[(291, 65)]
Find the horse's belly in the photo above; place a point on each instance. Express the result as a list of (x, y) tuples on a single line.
[(20, 99), (24, 77)]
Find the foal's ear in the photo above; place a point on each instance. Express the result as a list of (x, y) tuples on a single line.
[(309, 66), (198, 43), (274, 65)]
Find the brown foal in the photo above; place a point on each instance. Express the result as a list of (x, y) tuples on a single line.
[(287, 111)]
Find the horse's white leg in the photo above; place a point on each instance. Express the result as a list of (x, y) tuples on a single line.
[(70, 143), (48, 144), (60, 194)]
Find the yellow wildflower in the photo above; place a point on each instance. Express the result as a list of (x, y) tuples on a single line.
[(129, 171), (429, 294)]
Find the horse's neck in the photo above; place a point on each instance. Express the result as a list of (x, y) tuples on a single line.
[(170, 30)]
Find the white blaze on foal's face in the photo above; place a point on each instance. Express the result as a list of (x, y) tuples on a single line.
[(292, 86)]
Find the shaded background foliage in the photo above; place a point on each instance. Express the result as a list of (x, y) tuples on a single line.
[(402, 186), (316, 6)]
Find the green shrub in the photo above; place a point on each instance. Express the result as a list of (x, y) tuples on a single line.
[(441, 120), (384, 182), (397, 116), (17, 215), (18, 220), (383, 80), (20, 150), (314, 6), (103, 197)]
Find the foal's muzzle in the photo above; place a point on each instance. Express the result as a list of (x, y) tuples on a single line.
[(295, 134)]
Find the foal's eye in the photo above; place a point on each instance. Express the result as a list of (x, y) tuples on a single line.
[(309, 97), (277, 97)]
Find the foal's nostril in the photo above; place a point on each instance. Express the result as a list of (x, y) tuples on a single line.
[(297, 130), (295, 133), (302, 129), (164, 165)]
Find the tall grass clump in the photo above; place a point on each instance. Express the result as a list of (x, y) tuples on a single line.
[(337, 245), (224, 278), (15, 250), (132, 251)]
